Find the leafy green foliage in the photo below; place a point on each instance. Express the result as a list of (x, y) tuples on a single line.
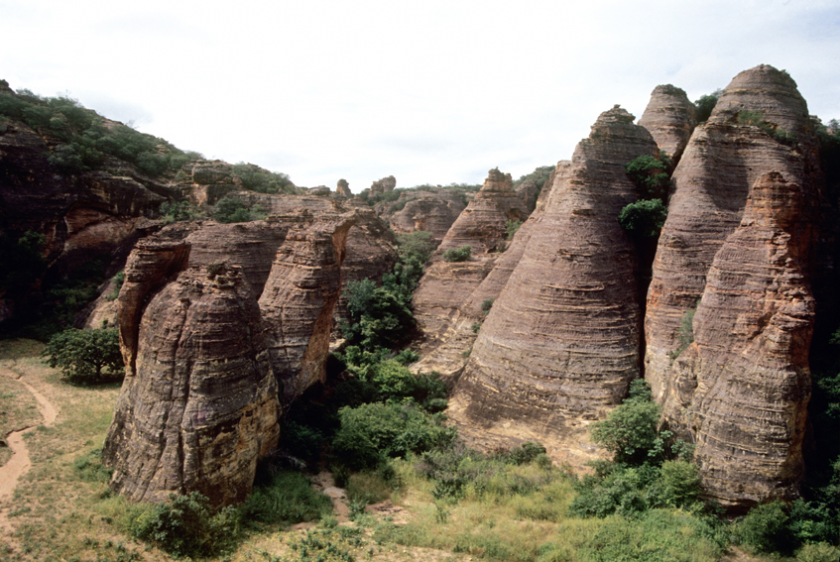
[(232, 209), (417, 245), (86, 355), (174, 211), (117, 281), (254, 178), (377, 316), (486, 305), (512, 227), (756, 118), (87, 139), (186, 525), (458, 254), (643, 218), (630, 432), (371, 433), (651, 175), (685, 335), (706, 104), (764, 529)]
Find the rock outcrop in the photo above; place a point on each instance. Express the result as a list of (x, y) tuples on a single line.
[(722, 160), (216, 345), (382, 186), (482, 224), (432, 210), (562, 340), (742, 387), (670, 117), (343, 188)]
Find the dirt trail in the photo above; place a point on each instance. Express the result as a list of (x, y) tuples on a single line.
[(19, 463)]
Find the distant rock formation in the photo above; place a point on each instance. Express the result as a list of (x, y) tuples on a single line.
[(343, 188), (670, 117), (743, 386), (562, 340), (216, 345), (383, 186), (721, 162), (432, 210)]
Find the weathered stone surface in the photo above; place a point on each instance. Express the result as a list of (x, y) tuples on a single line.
[(383, 186), (299, 299), (201, 405), (343, 188), (670, 117), (216, 344), (742, 387), (482, 224), (562, 340), (722, 160), (432, 210)]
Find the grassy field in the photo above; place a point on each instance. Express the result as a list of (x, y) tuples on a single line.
[(62, 509)]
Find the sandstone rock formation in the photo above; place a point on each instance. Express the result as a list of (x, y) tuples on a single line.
[(670, 118), (382, 186), (742, 387), (562, 340), (343, 188), (722, 160), (482, 224), (215, 345), (432, 210)]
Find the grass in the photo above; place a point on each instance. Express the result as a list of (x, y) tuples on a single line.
[(63, 510)]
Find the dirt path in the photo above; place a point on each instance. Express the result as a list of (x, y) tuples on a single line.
[(19, 463)]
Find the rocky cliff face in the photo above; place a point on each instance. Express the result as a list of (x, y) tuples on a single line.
[(433, 210), (722, 160), (215, 345), (670, 118), (562, 340), (742, 387), (383, 186)]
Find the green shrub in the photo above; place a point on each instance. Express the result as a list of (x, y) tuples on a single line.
[(643, 218), (630, 431), (512, 227), (818, 552), (86, 355), (377, 317), (418, 244), (231, 209), (486, 305), (254, 178), (187, 526), (371, 433), (458, 254), (650, 175), (180, 211), (706, 104), (764, 529)]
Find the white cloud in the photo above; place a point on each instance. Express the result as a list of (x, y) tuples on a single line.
[(432, 92)]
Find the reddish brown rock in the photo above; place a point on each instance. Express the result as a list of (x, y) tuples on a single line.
[(742, 387), (432, 210), (201, 406), (382, 186), (482, 224), (722, 160), (562, 340), (670, 117), (343, 188)]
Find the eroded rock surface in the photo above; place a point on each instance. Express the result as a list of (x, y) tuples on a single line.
[(216, 345), (722, 160), (742, 387), (670, 118), (561, 342), (432, 210)]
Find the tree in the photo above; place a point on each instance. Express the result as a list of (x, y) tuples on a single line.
[(86, 355), (458, 254), (643, 218), (706, 104)]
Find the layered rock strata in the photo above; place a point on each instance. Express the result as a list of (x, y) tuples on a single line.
[(216, 345), (432, 211), (562, 340), (670, 117), (202, 406), (722, 160), (742, 387)]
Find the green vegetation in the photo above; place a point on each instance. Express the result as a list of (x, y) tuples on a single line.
[(756, 119), (254, 178), (706, 104), (512, 227), (86, 356), (685, 336), (458, 254), (643, 218), (174, 211), (486, 305), (232, 209), (651, 175), (87, 140)]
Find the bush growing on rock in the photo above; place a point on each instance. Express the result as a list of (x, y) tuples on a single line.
[(232, 209), (643, 218), (458, 254), (706, 104)]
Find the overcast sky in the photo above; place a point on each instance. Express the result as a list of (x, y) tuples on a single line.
[(431, 92)]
